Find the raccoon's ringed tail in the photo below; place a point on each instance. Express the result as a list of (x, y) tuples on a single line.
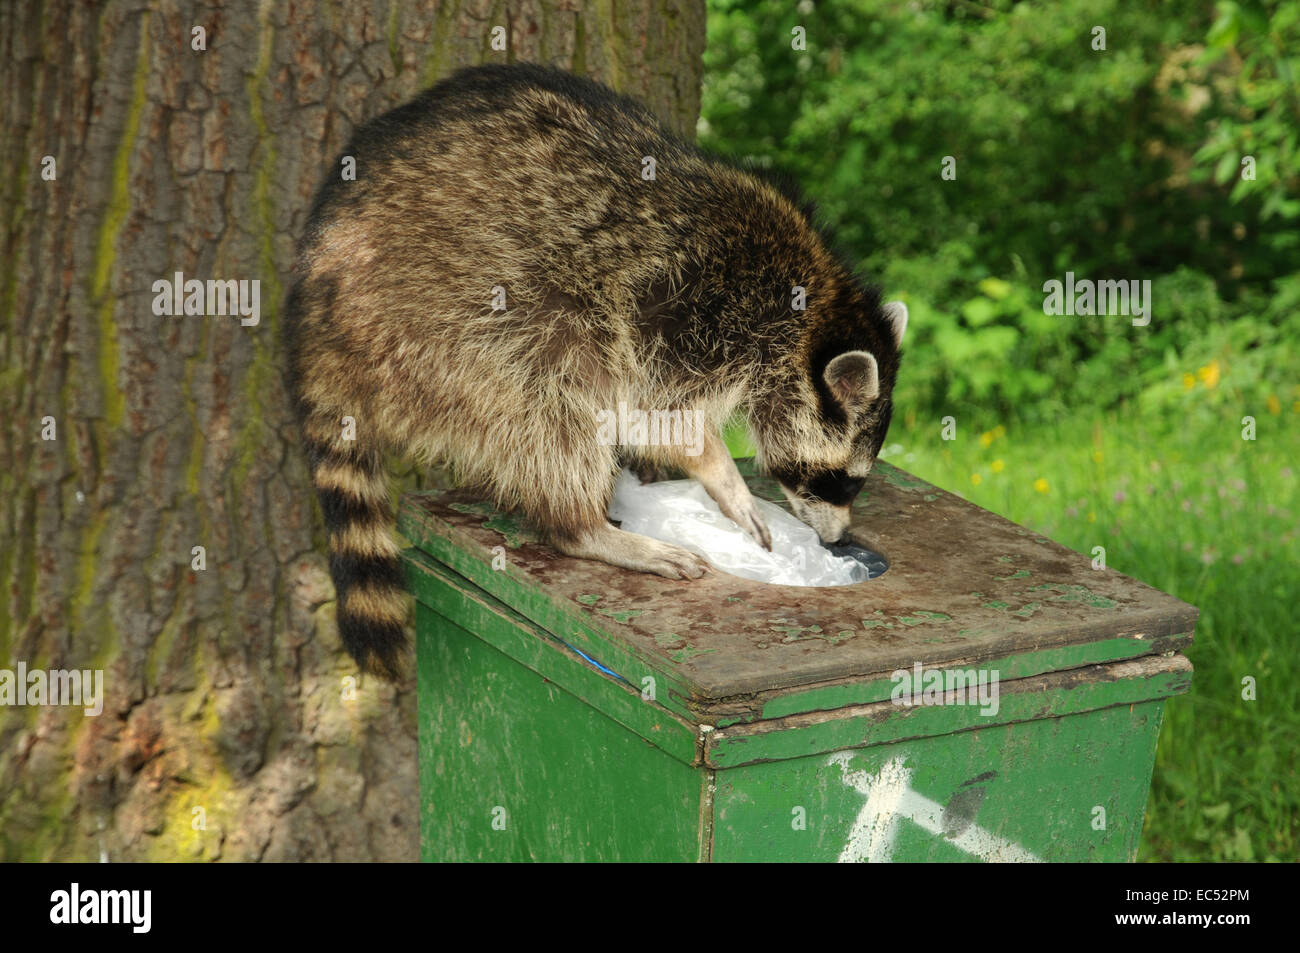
[(364, 558)]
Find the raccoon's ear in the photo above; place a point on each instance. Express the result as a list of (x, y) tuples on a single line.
[(896, 315), (853, 379)]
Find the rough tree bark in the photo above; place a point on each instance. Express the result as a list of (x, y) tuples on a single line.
[(228, 730)]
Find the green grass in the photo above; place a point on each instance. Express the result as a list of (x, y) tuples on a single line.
[(1179, 500)]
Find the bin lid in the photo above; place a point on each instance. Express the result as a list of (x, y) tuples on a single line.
[(965, 587)]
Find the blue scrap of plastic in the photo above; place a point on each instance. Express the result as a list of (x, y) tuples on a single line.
[(595, 663)]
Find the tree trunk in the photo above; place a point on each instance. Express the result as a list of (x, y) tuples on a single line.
[(231, 727)]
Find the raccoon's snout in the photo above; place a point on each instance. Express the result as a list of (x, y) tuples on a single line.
[(828, 520), (823, 500)]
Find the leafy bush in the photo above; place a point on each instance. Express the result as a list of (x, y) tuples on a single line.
[(1251, 68), (1118, 163), (999, 351)]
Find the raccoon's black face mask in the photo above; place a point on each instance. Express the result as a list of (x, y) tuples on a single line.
[(822, 496), (821, 493)]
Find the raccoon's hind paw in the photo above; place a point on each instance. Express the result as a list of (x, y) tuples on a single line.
[(634, 551), (674, 562)]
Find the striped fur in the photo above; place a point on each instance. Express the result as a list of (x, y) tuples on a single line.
[(364, 559)]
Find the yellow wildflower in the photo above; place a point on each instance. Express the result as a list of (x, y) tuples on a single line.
[(1040, 485)]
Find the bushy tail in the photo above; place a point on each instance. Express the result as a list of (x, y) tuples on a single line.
[(352, 486)]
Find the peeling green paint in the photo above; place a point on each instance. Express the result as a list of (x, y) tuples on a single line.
[(689, 653), (620, 615), (515, 530), (1024, 612), (792, 633), (1080, 594), (876, 623), (668, 640), (1018, 574), (588, 599), (917, 617), (921, 616)]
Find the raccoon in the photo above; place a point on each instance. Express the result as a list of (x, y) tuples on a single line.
[(522, 250)]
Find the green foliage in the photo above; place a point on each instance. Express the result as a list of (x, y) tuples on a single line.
[(1052, 139), (1116, 163), (1258, 47), (996, 349)]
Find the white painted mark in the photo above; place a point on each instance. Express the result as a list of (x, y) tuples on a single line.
[(891, 800)]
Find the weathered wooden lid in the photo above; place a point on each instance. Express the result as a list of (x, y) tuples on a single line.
[(964, 588)]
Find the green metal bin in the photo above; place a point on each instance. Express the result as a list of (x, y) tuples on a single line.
[(991, 697)]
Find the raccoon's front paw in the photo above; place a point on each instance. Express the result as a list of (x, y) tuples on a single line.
[(665, 559), (746, 515)]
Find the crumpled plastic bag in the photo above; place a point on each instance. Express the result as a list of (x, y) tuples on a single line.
[(682, 512)]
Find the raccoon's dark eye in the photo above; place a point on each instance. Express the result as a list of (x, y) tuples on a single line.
[(834, 487)]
